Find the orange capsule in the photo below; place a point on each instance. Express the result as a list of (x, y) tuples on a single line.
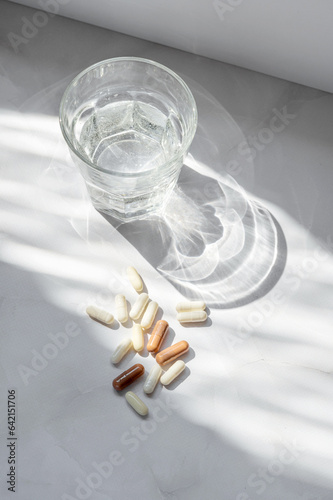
[(158, 335), (173, 352), (128, 377)]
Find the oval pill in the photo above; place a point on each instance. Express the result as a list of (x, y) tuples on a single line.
[(192, 316), (176, 369), (100, 314), (171, 353), (121, 349), (158, 335), (128, 377), (121, 308), (190, 305), (152, 379), (137, 337), (139, 306), (134, 278), (149, 315), (136, 403)]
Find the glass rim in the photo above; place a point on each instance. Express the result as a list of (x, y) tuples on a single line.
[(182, 150)]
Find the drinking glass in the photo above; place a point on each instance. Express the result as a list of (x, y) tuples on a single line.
[(128, 123)]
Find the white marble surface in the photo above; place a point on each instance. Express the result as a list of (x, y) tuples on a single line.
[(251, 417)]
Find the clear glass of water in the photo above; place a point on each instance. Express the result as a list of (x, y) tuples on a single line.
[(128, 123)]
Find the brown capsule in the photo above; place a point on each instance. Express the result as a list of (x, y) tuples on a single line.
[(158, 335), (173, 352), (128, 377)]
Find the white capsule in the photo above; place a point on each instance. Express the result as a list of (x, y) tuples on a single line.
[(192, 316), (121, 308), (99, 314), (190, 305), (136, 403), (137, 337), (121, 349), (149, 315), (134, 278), (139, 306), (152, 379), (176, 369)]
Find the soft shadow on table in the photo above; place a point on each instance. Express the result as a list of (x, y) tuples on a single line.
[(211, 241)]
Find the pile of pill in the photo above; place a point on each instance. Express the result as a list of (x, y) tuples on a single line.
[(144, 308)]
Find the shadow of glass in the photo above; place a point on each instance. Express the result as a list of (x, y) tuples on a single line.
[(222, 247)]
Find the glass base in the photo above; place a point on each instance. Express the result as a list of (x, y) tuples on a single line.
[(129, 208)]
